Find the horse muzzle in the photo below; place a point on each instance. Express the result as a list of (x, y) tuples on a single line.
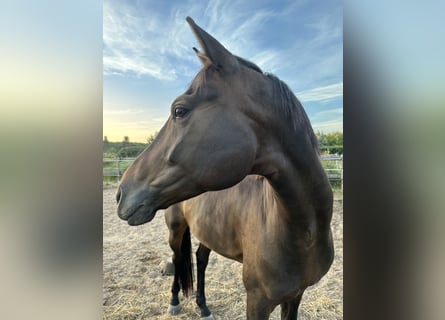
[(142, 214), (136, 208)]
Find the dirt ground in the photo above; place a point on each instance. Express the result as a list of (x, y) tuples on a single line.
[(134, 287)]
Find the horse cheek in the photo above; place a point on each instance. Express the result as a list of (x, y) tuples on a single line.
[(225, 168)]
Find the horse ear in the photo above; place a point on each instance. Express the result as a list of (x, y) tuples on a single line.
[(213, 50), (204, 59)]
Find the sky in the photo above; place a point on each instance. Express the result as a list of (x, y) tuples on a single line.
[(148, 58)]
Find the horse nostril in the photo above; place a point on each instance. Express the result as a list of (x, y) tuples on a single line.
[(118, 195)]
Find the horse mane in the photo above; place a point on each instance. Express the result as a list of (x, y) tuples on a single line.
[(290, 107), (286, 103)]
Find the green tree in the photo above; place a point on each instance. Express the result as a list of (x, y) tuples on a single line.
[(335, 142), (331, 143), (151, 137), (322, 142), (130, 151)]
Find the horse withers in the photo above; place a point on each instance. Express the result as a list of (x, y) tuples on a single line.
[(232, 123)]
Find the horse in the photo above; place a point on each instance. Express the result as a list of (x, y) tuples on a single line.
[(237, 165)]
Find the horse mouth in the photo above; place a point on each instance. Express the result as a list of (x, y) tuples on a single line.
[(141, 215)]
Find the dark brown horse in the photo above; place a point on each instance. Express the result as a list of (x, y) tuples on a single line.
[(232, 122)]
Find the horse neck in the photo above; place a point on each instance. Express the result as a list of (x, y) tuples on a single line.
[(300, 189)]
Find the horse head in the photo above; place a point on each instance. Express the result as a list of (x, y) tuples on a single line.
[(209, 141)]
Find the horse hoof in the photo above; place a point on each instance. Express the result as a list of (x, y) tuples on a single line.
[(174, 310), (210, 317), (167, 268)]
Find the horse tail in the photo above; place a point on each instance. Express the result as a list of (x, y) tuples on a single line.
[(185, 271)]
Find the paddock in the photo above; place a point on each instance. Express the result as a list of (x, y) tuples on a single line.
[(135, 288)]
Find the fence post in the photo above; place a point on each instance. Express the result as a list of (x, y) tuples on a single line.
[(118, 169), (341, 177)]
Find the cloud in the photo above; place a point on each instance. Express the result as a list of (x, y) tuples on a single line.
[(242, 36), (328, 126), (268, 60), (233, 23), (138, 42), (159, 119), (330, 120), (330, 112), (123, 112), (133, 43), (297, 42), (158, 44), (324, 93)]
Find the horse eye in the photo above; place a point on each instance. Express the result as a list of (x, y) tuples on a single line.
[(180, 111)]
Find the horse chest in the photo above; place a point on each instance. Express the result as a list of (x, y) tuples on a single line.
[(278, 261), (277, 276)]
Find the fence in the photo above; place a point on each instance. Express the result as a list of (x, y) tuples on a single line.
[(113, 168), (333, 165)]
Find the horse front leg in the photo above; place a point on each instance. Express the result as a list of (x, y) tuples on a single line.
[(174, 307), (179, 241), (258, 306), (289, 309), (202, 259)]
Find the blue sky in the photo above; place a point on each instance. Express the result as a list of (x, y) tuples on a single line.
[(148, 58)]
